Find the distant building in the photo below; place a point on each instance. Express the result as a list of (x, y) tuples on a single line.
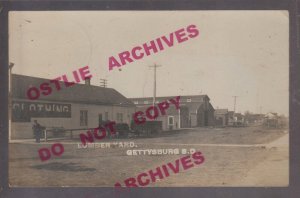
[(221, 117), (195, 111), (254, 119), (235, 119), (231, 119), (76, 107), (239, 119), (271, 120)]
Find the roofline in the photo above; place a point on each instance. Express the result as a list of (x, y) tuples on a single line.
[(76, 102), (76, 84), (204, 95)]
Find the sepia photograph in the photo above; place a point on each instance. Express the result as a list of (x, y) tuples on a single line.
[(148, 98)]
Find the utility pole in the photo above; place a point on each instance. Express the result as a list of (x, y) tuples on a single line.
[(154, 86), (10, 106), (103, 83), (234, 103)]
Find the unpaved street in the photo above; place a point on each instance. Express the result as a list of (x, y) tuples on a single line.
[(250, 156)]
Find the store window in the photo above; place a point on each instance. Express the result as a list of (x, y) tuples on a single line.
[(171, 120), (106, 116), (83, 118), (120, 117), (100, 119)]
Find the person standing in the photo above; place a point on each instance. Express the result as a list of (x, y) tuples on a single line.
[(37, 131)]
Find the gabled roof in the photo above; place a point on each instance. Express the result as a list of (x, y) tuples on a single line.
[(221, 111), (170, 111), (79, 93), (230, 113), (271, 115), (194, 104), (238, 115)]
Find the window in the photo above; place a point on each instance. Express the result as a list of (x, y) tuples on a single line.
[(146, 102), (171, 120), (157, 101), (100, 119), (136, 102), (83, 118), (106, 116), (189, 100), (120, 117)]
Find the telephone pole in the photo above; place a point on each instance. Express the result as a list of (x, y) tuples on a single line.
[(154, 86), (10, 96), (234, 103)]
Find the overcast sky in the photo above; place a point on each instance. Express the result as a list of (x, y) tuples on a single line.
[(238, 53)]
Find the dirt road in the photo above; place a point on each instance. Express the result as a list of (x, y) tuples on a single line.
[(274, 167), (249, 156)]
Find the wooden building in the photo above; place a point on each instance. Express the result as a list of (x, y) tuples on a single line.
[(195, 111), (221, 117), (78, 106)]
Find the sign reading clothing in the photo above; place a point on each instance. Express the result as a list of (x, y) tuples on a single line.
[(23, 111)]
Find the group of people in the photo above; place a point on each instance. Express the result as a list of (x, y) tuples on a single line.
[(37, 131)]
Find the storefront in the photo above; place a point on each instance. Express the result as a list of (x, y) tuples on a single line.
[(80, 106)]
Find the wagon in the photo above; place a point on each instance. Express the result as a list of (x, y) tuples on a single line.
[(148, 128), (122, 130)]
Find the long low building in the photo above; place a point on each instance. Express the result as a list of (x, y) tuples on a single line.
[(75, 107), (221, 117), (195, 111)]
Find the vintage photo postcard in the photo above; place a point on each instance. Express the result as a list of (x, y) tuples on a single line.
[(149, 98)]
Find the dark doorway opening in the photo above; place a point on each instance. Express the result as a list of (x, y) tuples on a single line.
[(184, 117), (205, 118), (100, 120)]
